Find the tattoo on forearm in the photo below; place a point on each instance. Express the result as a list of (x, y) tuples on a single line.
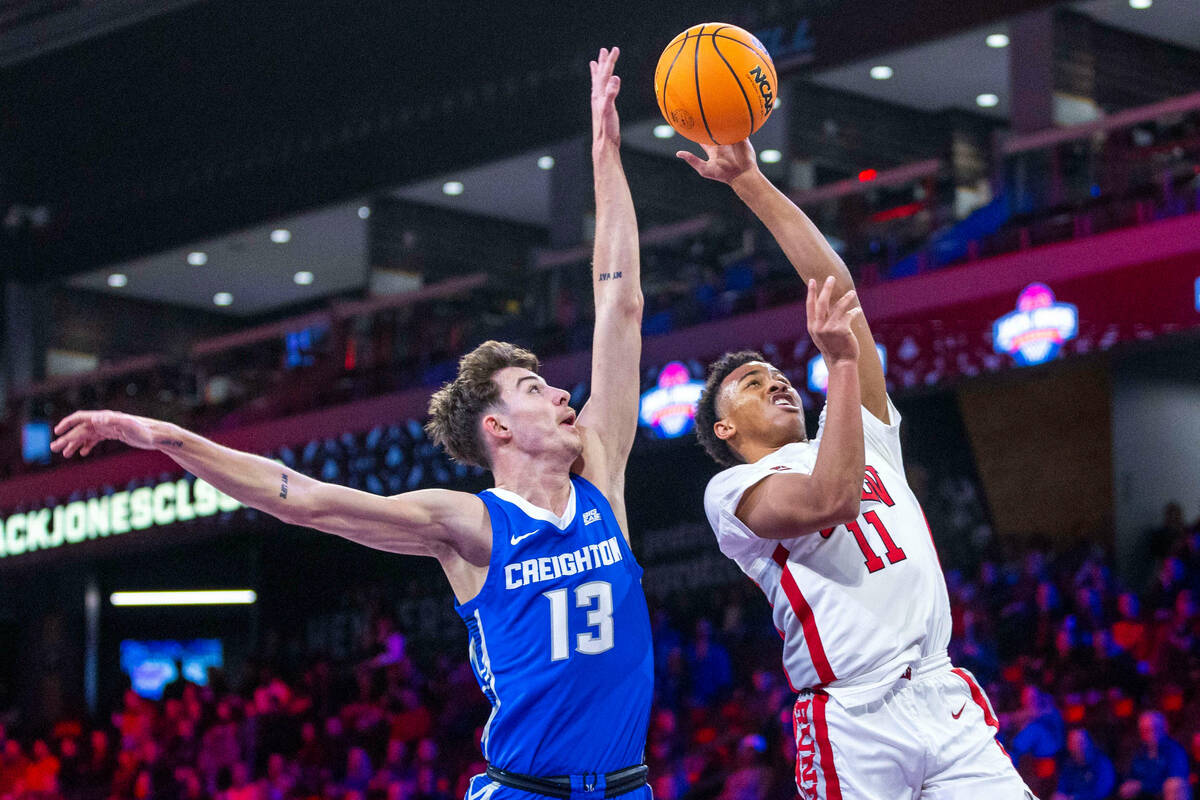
[(283, 486), (169, 442), (605, 276)]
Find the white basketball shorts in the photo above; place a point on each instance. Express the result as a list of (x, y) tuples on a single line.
[(931, 737)]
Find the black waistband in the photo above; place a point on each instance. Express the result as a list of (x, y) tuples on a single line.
[(614, 783)]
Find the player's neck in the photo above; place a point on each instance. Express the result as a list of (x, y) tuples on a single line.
[(752, 451), (544, 483)]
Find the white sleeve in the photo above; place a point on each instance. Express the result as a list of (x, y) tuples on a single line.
[(721, 499), (880, 438)]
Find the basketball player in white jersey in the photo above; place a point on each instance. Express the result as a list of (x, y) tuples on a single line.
[(831, 532)]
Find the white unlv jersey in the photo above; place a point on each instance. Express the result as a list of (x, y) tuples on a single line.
[(856, 604)]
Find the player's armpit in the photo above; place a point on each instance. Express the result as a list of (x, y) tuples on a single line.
[(787, 506), (429, 522)]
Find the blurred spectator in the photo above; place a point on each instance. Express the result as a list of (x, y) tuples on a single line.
[(1085, 773), (750, 778), (1160, 767), (1040, 727), (708, 664)]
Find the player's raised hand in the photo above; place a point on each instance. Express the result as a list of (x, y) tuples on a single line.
[(82, 431), (606, 126), (725, 161), (831, 324)]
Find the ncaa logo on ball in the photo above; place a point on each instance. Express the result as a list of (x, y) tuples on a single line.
[(682, 118), (766, 93)]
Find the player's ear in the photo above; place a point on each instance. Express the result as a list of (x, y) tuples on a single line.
[(494, 426), (724, 429)]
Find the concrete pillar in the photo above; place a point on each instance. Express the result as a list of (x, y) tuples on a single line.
[(570, 192), (24, 309), (1031, 71)]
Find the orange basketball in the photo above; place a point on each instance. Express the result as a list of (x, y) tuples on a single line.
[(715, 83)]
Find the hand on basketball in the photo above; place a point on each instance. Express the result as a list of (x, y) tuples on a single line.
[(831, 325), (83, 430), (606, 127), (725, 161)]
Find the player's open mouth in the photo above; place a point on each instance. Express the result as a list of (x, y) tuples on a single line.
[(569, 419), (785, 402)]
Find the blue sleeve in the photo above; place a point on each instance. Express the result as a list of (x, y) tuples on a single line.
[(1177, 761), (1106, 779)]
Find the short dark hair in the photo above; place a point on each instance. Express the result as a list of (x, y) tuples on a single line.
[(706, 409), (456, 408)]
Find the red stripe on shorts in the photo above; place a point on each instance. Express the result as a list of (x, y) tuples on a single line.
[(833, 789), (981, 701), (979, 698), (803, 612)]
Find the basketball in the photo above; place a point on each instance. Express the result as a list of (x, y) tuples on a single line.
[(715, 83)]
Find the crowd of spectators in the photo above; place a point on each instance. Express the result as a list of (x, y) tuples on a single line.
[(1096, 687)]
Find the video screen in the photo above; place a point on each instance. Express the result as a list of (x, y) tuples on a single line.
[(151, 665)]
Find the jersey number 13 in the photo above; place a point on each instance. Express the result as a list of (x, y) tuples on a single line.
[(599, 636)]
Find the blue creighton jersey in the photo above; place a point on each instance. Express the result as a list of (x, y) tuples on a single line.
[(560, 638)]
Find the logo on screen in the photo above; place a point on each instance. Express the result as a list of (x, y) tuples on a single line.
[(1036, 331), (670, 408), (818, 370)]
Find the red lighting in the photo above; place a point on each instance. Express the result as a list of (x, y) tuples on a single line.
[(899, 212), (867, 175)]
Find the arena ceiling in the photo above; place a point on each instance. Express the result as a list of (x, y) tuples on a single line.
[(162, 137)]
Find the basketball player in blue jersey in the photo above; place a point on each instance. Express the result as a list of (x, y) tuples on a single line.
[(540, 565)]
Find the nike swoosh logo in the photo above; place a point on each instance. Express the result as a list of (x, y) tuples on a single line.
[(959, 714), (515, 539)]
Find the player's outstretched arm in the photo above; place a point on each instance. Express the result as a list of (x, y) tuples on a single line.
[(432, 522), (784, 504), (801, 241), (610, 415)]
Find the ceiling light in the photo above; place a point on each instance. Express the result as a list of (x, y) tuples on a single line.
[(281, 236), (546, 162), (303, 277), (452, 188), (364, 212), (197, 258), (882, 72), (987, 100), (996, 40), (117, 280), (663, 131), (223, 298), (185, 598), (1140, 4), (770, 156)]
